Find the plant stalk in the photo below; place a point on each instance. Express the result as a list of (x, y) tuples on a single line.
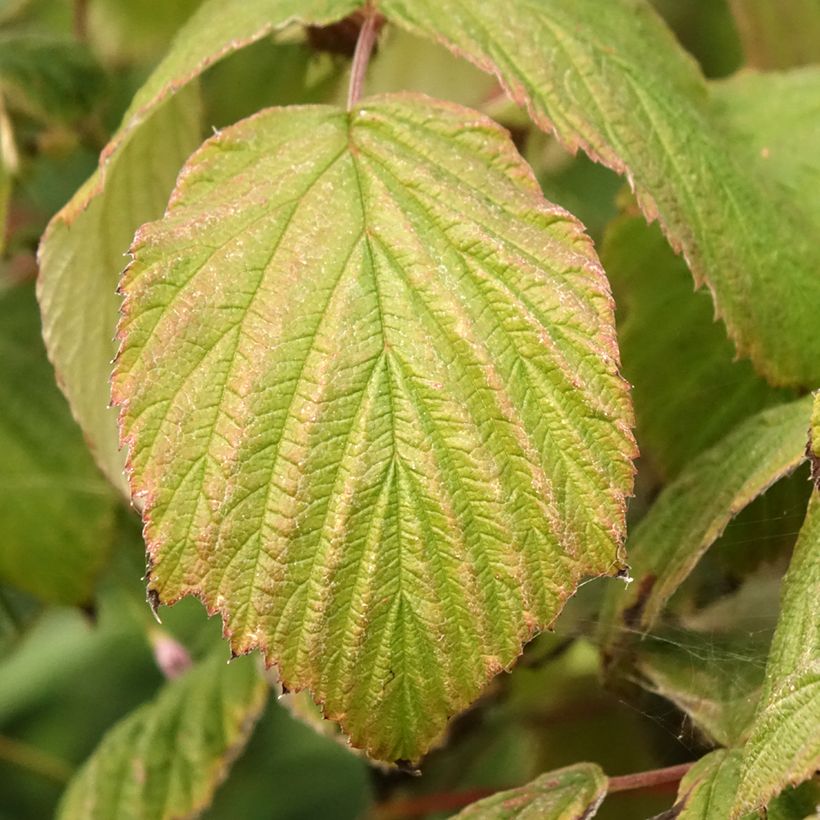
[(361, 57)]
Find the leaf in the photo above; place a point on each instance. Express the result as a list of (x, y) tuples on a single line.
[(573, 793), (692, 511), (48, 78), (813, 449), (713, 679), (708, 789), (56, 511), (81, 257), (166, 759), (784, 744), (687, 389), (82, 251), (611, 79), (778, 33), (369, 384), (773, 123)]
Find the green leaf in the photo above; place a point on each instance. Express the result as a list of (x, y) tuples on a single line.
[(708, 790), (692, 511), (48, 78), (778, 33), (773, 124), (81, 256), (369, 383), (611, 79), (688, 390), (56, 511), (166, 759), (573, 793), (82, 252), (784, 744)]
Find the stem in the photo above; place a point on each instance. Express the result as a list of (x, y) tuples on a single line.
[(9, 155), (364, 48), (450, 801), (646, 780), (80, 20), (35, 760)]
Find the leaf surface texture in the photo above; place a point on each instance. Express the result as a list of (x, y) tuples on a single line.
[(369, 382), (166, 759), (611, 79)]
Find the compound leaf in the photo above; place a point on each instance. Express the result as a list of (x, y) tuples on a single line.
[(692, 511), (784, 745), (82, 252), (611, 79), (166, 759), (369, 383), (56, 511), (573, 793)]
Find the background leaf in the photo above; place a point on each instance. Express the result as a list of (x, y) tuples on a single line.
[(784, 745), (81, 258), (687, 388), (82, 252), (573, 793), (610, 78), (778, 33), (404, 469), (166, 759), (693, 510), (56, 511)]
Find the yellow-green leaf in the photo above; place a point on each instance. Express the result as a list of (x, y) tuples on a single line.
[(784, 744), (573, 793), (610, 78), (82, 252), (81, 256), (369, 383), (166, 759), (708, 789)]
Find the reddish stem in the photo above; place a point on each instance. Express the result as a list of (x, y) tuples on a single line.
[(647, 780), (361, 58)]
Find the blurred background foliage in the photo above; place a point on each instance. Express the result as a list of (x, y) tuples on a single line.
[(77, 642)]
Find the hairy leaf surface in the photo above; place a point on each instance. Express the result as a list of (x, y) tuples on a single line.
[(166, 759), (610, 78), (82, 256), (687, 388), (708, 790), (82, 252), (784, 744), (692, 511), (573, 793), (56, 510), (369, 382)]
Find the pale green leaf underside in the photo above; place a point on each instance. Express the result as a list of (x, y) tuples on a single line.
[(784, 744), (56, 511), (814, 441), (611, 79), (692, 511), (369, 382), (573, 793), (83, 251), (166, 759)]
